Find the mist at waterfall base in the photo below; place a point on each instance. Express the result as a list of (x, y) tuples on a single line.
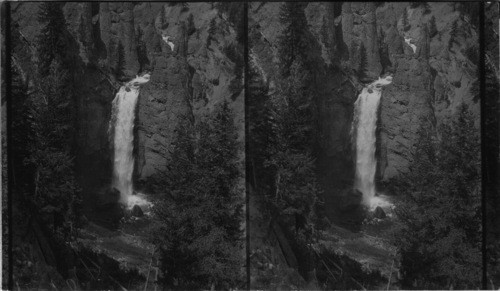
[(123, 120), (365, 126)]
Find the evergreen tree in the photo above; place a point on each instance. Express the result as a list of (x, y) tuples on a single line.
[(53, 189), (56, 192), (424, 5), (439, 239), (363, 62), (295, 190), (234, 52), (142, 52), (471, 10), (406, 24), (427, 8), (472, 53), (293, 41), (46, 199), (199, 233), (163, 19), (120, 62), (212, 30), (190, 26), (283, 161), (261, 131), (185, 6), (234, 11), (432, 27), (281, 164), (454, 32), (51, 43), (21, 122)]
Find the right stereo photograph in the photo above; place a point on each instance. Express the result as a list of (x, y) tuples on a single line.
[(372, 145)]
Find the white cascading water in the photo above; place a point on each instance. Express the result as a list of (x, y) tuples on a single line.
[(123, 120), (365, 116)]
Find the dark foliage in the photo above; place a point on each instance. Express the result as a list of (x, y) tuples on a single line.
[(51, 43), (163, 20), (406, 24), (280, 159), (432, 27), (51, 124), (261, 126), (422, 4), (415, 4), (45, 193), (385, 60), (120, 62), (212, 30), (363, 62), (293, 41), (185, 6), (472, 53), (234, 52), (454, 33), (470, 10), (142, 53), (296, 191), (439, 238), (235, 13), (190, 26), (55, 186), (199, 230)]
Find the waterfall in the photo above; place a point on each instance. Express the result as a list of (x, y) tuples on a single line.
[(365, 116), (122, 122), (413, 47)]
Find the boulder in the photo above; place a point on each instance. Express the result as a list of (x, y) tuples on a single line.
[(379, 213), (137, 211)]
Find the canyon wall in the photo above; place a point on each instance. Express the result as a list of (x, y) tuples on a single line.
[(187, 81), (199, 72), (429, 83)]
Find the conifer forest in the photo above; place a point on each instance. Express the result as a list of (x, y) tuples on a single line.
[(250, 145)]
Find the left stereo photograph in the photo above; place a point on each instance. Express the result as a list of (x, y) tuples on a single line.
[(124, 145)]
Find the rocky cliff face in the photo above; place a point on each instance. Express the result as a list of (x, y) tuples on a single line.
[(188, 79), (429, 82)]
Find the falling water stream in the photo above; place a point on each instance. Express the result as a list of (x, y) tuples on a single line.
[(366, 108), (123, 120)]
